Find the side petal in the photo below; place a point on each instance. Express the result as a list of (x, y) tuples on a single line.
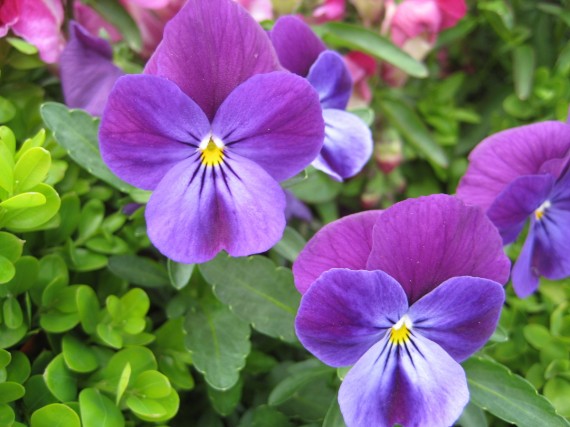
[(329, 75), (502, 157), (418, 384), (525, 275), (196, 211), (460, 314), (274, 119), (348, 145), (345, 312), (148, 126), (296, 45), (517, 202), (87, 71), (209, 48), (552, 244), (443, 238), (345, 243)]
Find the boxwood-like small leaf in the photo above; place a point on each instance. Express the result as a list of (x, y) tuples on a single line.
[(31, 169), (78, 356), (7, 270), (10, 391), (10, 246), (60, 380), (179, 274), (55, 415), (151, 384), (98, 410), (27, 219)]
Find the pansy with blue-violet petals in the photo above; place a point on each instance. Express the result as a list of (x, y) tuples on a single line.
[(404, 295), (522, 174), (211, 127), (348, 141)]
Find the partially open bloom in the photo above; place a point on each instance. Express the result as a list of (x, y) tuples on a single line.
[(522, 174), (361, 67), (211, 127), (330, 10), (404, 295), (348, 141)]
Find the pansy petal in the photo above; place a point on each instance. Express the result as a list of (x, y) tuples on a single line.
[(275, 120), (345, 312), (348, 145), (502, 157), (345, 243), (517, 202), (525, 275), (148, 126), (552, 243), (296, 44), (460, 314), (329, 75), (87, 71), (443, 238), (196, 211), (418, 384), (209, 48)]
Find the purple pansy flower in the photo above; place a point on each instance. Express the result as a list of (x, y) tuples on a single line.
[(404, 295), (522, 173), (348, 141), (211, 127), (87, 70)]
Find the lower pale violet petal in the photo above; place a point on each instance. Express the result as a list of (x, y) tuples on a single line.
[(330, 77), (460, 314), (345, 312), (348, 145), (417, 384), (345, 243), (148, 126), (196, 210), (525, 274)]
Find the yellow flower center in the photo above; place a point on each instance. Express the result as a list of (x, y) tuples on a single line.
[(212, 152), (539, 213), (400, 332)]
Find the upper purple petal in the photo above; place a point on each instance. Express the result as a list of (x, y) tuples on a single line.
[(87, 70), (423, 242), (196, 211), (345, 312), (148, 126), (296, 44), (502, 157), (418, 384), (460, 314), (329, 75), (209, 48), (348, 145), (275, 120), (345, 243)]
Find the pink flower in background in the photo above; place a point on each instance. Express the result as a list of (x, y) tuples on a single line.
[(36, 21), (361, 67), (259, 9), (330, 10)]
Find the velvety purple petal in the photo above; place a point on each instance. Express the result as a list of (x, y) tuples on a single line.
[(423, 242), (87, 71), (345, 312), (414, 385), (148, 126), (296, 44), (275, 120), (525, 275), (348, 145), (502, 157), (329, 75), (196, 211), (460, 314), (209, 48), (345, 243), (517, 202)]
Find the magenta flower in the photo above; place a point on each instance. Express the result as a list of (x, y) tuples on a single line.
[(522, 174), (404, 295), (211, 127), (348, 141), (330, 10)]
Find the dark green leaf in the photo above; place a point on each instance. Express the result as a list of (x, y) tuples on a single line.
[(179, 274), (290, 244), (139, 271), (224, 402), (10, 391), (523, 68)]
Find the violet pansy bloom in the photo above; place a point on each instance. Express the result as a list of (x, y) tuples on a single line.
[(522, 174), (211, 127), (404, 295), (348, 141)]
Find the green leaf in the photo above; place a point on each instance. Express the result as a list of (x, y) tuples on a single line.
[(10, 246), (98, 410), (264, 416), (334, 416), (87, 308), (367, 115), (60, 380), (147, 408), (219, 342), (5, 358), (90, 219), (76, 131), (78, 356), (7, 270), (473, 416), (19, 368), (7, 110), (290, 244), (12, 313), (55, 415), (37, 394), (22, 46), (8, 140), (139, 359), (139, 271), (10, 391), (9, 337), (31, 169), (496, 389), (317, 188), (341, 34), (257, 291), (7, 416), (225, 402), (151, 384), (27, 269), (524, 63), (298, 379), (179, 274), (24, 201), (408, 123), (30, 218), (123, 382), (557, 390)]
